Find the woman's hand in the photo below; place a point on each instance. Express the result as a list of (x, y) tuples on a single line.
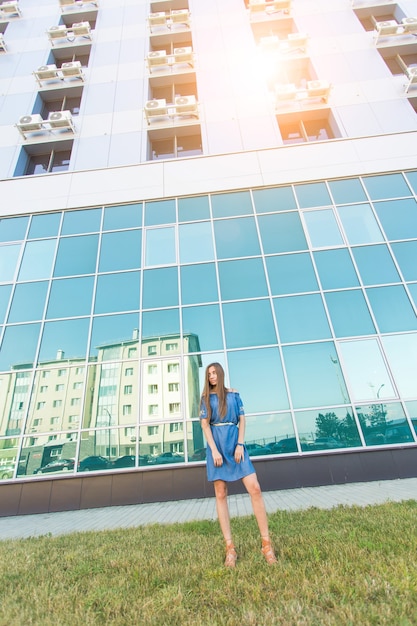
[(239, 453), (217, 459)]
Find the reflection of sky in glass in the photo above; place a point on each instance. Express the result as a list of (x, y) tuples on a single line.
[(28, 302), (314, 375), (335, 269), (120, 251), (360, 224), (386, 186), (392, 308), (301, 318), (196, 242), (126, 285), (46, 225), (195, 208), (401, 351), (398, 218), (70, 297), (264, 429), (406, 255), (37, 259), (198, 283), (76, 222), (13, 228), (19, 345), (5, 291), (248, 324), (258, 376), (69, 336), (230, 204), (312, 194), (8, 260), (125, 216), (160, 246), (242, 279), (322, 228), (204, 321), (291, 273), (349, 313), (113, 329), (366, 371), (155, 323)]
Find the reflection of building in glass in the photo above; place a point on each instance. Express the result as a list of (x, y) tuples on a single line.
[(277, 243)]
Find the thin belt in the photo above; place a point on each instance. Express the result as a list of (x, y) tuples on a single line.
[(225, 424)]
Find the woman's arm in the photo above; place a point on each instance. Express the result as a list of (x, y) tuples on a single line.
[(240, 450), (217, 457)]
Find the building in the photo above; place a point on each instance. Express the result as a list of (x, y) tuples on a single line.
[(184, 182)]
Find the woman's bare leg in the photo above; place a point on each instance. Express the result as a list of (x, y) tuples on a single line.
[(220, 490), (254, 490)]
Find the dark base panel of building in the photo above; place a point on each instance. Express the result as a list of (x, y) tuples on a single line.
[(89, 491)]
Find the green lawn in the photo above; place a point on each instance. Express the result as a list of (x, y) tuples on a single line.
[(348, 565)]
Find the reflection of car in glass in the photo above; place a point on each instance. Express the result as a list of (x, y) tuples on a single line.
[(199, 455), (129, 460), (327, 443), (91, 463), (284, 445), (165, 457), (6, 471), (255, 449), (57, 465)]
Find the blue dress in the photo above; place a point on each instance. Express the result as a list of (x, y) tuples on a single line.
[(225, 434)]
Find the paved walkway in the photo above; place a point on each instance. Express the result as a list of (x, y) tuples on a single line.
[(109, 518)]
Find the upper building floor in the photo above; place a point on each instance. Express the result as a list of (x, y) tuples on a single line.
[(106, 83)]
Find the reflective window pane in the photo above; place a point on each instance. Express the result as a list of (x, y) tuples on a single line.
[(335, 269), (123, 216), (112, 336), (274, 199), (273, 431), (360, 224), (301, 318), (166, 447), (230, 204), (77, 222), (413, 292), (383, 424), (70, 297), (392, 309), (5, 291), (412, 180), (156, 323), (349, 313), (242, 279), (282, 233), (64, 339), (236, 238), (38, 258), (13, 228), (328, 429), (97, 450), (76, 255), (249, 324), (398, 218), (401, 351), (367, 374), (40, 451), (196, 208), (160, 212), (252, 370), (19, 345), (28, 302), (196, 242), (160, 288), (8, 260), (322, 228), (386, 186), (127, 287), (406, 255), (160, 246), (8, 456), (120, 251), (314, 375), (204, 322), (198, 283), (347, 190), (312, 195), (375, 265), (291, 273), (44, 225)]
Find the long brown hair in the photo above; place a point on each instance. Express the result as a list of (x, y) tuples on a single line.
[(220, 390)]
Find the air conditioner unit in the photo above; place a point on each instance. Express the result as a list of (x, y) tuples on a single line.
[(81, 28), (60, 119), (155, 108), (157, 57), (71, 68), (286, 92), (409, 20), (318, 89), (57, 31), (180, 16), (31, 122), (186, 104), (184, 55), (157, 19)]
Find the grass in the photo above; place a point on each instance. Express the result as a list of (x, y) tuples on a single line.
[(347, 565)]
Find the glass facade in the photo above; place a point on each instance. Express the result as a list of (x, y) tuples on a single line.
[(307, 294)]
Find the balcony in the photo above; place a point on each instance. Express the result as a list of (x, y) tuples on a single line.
[(169, 20), (157, 111), (159, 61), (50, 75), (9, 9), (315, 93), (64, 35), (35, 127), (392, 29)]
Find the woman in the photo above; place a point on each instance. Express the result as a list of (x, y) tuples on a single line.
[(223, 421)]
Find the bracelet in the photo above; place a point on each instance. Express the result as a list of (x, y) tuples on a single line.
[(240, 444)]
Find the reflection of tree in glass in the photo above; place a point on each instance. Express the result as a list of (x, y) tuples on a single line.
[(343, 430), (374, 423)]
